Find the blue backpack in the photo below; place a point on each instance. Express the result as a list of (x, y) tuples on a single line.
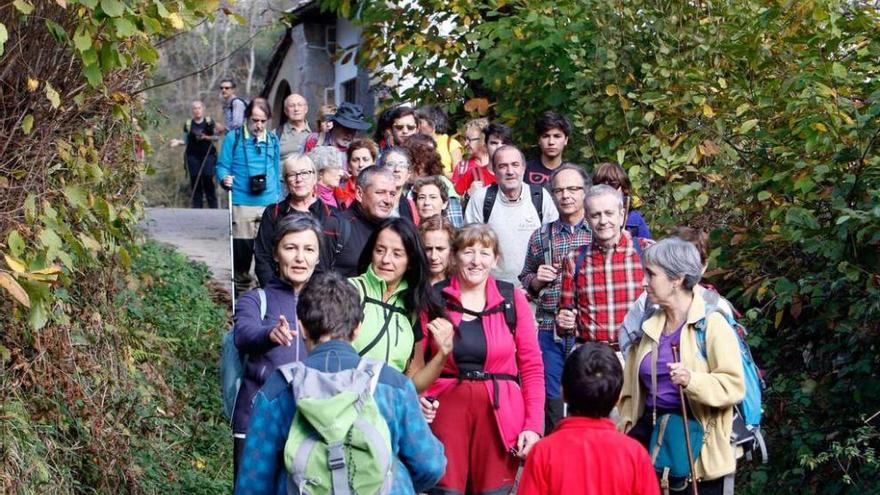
[(232, 364), (748, 413)]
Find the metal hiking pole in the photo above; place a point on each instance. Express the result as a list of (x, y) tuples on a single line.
[(231, 253), (687, 431)]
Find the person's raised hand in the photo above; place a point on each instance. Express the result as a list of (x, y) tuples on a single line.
[(282, 334), (546, 274), (443, 332)]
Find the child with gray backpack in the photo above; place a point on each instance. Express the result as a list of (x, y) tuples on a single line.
[(337, 423)]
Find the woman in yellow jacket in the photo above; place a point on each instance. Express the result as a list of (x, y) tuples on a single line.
[(712, 384)]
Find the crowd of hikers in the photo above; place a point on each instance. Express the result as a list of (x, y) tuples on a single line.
[(447, 318)]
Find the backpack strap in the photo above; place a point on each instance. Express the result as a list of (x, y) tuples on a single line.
[(489, 202), (507, 292), (578, 263), (187, 125), (338, 468), (537, 193), (262, 295), (546, 243), (384, 330), (507, 306), (343, 235)]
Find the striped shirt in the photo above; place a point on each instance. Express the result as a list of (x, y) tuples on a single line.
[(554, 240), (608, 282)]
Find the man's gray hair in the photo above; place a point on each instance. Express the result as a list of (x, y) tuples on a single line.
[(365, 177), (577, 168), (505, 147), (326, 157), (677, 258), (603, 190)]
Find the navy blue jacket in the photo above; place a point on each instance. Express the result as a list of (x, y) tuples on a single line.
[(252, 339)]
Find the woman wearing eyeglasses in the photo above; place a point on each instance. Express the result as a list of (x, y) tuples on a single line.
[(300, 176), (248, 166)]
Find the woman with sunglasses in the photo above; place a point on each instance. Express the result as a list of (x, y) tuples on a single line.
[(248, 166)]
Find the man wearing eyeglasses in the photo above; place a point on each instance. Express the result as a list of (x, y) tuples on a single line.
[(300, 176), (542, 275), (233, 107)]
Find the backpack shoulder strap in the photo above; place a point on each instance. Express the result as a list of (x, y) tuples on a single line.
[(507, 292), (262, 294), (546, 243), (579, 261), (537, 193), (343, 235), (489, 202), (187, 125), (372, 367)]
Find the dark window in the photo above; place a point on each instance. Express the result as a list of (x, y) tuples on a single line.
[(349, 90)]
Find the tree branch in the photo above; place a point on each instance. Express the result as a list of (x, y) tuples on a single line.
[(203, 69)]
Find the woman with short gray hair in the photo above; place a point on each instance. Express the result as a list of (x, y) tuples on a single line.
[(708, 369), (329, 162)]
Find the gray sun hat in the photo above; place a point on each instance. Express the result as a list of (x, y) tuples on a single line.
[(351, 115)]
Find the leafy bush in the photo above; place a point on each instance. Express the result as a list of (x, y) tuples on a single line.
[(127, 400), (759, 120)]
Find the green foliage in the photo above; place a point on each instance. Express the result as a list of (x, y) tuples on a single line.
[(139, 410), (758, 120), (69, 172), (176, 329)]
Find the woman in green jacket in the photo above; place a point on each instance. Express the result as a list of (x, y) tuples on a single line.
[(395, 290)]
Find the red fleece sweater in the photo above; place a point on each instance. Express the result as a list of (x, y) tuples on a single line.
[(588, 456)]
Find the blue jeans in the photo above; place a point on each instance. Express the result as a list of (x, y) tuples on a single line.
[(552, 353)]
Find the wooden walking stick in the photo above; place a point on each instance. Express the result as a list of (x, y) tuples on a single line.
[(687, 431)]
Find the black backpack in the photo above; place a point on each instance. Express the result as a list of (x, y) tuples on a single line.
[(508, 306), (536, 192)]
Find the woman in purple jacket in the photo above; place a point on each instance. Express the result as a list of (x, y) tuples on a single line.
[(265, 324)]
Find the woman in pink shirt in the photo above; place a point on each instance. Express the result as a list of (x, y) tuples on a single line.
[(487, 395)]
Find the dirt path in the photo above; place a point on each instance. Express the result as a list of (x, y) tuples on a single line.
[(202, 235)]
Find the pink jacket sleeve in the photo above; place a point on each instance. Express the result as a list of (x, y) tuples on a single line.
[(530, 364)]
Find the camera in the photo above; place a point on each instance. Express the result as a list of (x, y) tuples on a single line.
[(258, 183)]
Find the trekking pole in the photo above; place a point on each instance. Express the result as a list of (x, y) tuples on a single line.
[(231, 253), (687, 431)]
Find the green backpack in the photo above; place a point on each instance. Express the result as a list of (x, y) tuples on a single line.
[(339, 443)]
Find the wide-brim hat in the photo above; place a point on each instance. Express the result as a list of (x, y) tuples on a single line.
[(351, 115)]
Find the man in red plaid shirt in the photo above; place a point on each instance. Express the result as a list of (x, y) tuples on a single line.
[(610, 277)]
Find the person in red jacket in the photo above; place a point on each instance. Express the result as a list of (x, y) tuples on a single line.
[(486, 385), (585, 454)]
